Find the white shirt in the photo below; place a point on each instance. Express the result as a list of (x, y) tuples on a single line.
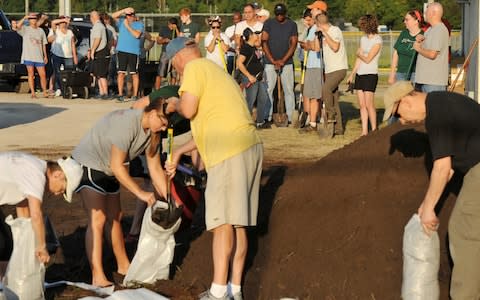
[(230, 33), (367, 44), (335, 61), (215, 56), (62, 45), (21, 175), (241, 26)]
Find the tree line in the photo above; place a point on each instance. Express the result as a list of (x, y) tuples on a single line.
[(388, 12)]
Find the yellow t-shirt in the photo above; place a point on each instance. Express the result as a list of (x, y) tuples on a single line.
[(222, 126)]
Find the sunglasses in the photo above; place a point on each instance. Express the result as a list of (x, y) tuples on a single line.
[(257, 32), (215, 27), (130, 15)]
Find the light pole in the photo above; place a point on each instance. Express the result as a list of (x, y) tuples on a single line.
[(27, 9)]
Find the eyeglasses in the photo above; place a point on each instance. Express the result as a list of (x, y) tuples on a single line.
[(215, 27), (257, 32)]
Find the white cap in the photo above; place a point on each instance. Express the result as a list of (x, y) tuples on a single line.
[(73, 173), (263, 13)]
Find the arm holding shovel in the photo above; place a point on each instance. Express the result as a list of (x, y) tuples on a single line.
[(171, 166)]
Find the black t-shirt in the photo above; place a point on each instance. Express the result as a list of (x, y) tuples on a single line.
[(279, 35), (255, 66), (453, 127)]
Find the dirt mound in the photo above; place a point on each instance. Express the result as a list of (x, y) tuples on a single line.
[(333, 229)]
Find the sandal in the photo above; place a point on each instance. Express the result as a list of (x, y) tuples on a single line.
[(34, 97)]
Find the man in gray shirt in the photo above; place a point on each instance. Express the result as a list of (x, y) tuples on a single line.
[(431, 73)]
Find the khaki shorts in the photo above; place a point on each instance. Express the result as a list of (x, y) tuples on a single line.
[(232, 192)]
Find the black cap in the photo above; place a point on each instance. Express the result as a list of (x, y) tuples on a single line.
[(280, 9)]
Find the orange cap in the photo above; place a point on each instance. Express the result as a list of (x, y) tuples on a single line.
[(319, 5)]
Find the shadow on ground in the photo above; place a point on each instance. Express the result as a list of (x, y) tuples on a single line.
[(12, 114)]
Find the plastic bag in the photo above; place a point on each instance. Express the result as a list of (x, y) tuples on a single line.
[(421, 262), (25, 274), (155, 250)]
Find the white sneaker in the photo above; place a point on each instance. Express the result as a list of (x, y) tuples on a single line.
[(58, 93)]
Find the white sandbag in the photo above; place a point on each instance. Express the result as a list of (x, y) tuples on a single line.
[(25, 274), (154, 251), (137, 294), (421, 261)]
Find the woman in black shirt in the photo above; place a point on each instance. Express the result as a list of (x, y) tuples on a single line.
[(249, 64)]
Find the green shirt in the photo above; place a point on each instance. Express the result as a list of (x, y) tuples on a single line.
[(404, 47), (190, 30)]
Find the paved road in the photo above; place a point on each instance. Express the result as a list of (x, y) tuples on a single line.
[(32, 123)]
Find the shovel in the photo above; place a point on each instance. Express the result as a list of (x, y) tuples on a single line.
[(299, 116), (167, 217), (280, 118)]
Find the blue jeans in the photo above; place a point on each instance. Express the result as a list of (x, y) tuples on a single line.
[(404, 77), (258, 92), (287, 78), (57, 61), (427, 88)]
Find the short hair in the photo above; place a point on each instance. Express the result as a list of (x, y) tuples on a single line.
[(307, 13), (173, 20), (368, 24), (185, 11), (249, 4)]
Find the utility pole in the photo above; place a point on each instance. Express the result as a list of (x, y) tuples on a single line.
[(27, 9)]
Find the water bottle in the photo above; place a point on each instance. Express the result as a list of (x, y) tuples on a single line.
[(62, 67)]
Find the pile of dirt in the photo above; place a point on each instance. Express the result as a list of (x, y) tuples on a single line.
[(331, 229)]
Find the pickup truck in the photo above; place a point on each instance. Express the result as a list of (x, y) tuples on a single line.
[(10, 52)]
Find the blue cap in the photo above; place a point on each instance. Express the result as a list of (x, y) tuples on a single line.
[(176, 45)]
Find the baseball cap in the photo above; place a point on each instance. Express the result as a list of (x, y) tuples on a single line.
[(164, 92), (319, 5), (73, 173), (280, 9), (176, 45), (393, 94)]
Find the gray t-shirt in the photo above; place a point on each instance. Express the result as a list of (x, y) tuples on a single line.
[(33, 41), (434, 72), (122, 128), (98, 32)]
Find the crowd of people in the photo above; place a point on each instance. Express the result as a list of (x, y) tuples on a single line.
[(260, 50)]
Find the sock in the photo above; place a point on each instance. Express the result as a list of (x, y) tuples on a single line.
[(218, 290), (313, 124), (236, 288)]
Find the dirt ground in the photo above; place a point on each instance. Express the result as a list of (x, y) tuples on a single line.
[(329, 228)]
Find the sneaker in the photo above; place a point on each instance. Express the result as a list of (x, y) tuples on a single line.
[(58, 93), (238, 296), (264, 125), (134, 98), (307, 129), (207, 296), (105, 97), (121, 98)]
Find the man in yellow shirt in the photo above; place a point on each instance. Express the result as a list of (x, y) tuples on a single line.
[(225, 135)]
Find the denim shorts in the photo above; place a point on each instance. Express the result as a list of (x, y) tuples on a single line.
[(33, 63)]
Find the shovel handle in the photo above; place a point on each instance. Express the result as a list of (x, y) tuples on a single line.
[(169, 159)]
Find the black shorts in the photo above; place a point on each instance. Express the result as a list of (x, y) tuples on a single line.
[(99, 182), (366, 83), (100, 67), (127, 61)]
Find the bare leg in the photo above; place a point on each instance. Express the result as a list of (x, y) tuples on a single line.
[(114, 228), (31, 80), (158, 82), (43, 80), (221, 250), (103, 86), (314, 110), (94, 204), (120, 82), (363, 111), (239, 255), (372, 112), (140, 207), (136, 83)]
